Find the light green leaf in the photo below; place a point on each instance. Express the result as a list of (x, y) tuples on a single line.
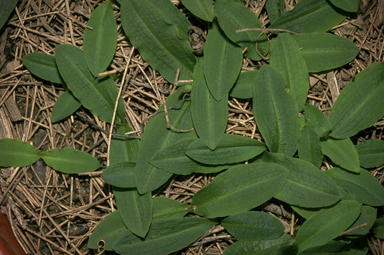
[(318, 120), (233, 16), (342, 152), (253, 225), (107, 232), (310, 16), (121, 175), (166, 208), (359, 247), (202, 9), (367, 216), (346, 5), (371, 153), (275, 112), (158, 40), (164, 237), (239, 189), (231, 149), (306, 185), (362, 186), (309, 148), (135, 209), (17, 153), (323, 51), (378, 227), (65, 105), (327, 224), (98, 95), (44, 66), (222, 62), (100, 42), (274, 9), (287, 58), (69, 161), (244, 84), (209, 115)]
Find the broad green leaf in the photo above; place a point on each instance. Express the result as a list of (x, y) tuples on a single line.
[(173, 159), (69, 161), (367, 216), (274, 9), (157, 136), (287, 58), (135, 209), (121, 175), (6, 9), (164, 237), (278, 246), (360, 104), (309, 148), (306, 185), (222, 62), (342, 152), (310, 16), (346, 5), (378, 227), (202, 9), (244, 84), (107, 232), (318, 120), (275, 112), (371, 153), (253, 225), (323, 51), (65, 105), (123, 149), (98, 95), (209, 115), (327, 224), (233, 16), (359, 247), (100, 42), (363, 186), (44, 66), (305, 212), (239, 189), (158, 40), (231, 149), (17, 153), (166, 208)]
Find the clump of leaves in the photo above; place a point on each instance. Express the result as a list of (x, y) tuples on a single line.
[(337, 205)]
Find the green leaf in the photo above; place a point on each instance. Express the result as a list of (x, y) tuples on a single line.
[(309, 148), (107, 232), (323, 51), (275, 112), (65, 105), (98, 95), (135, 209), (158, 40), (239, 189), (371, 153), (157, 136), (310, 16), (360, 104), (306, 185), (346, 5), (166, 208), (231, 149), (244, 84), (362, 186), (165, 236), (287, 58), (209, 116), (69, 161), (327, 224), (121, 175), (340, 248), (342, 152), (222, 62), (318, 120), (17, 153), (123, 149), (274, 9), (253, 225), (173, 159), (378, 227), (367, 216), (233, 16), (6, 10), (43, 66), (202, 9), (100, 42)]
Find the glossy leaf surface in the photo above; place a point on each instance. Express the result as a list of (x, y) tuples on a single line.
[(44, 66), (202, 9), (65, 106), (371, 153), (17, 153), (318, 119), (121, 175), (309, 148)]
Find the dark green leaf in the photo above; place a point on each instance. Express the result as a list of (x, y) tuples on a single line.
[(202, 9), (346, 5), (123, 149), (371, 153), (363, 223), (44, 66), (309, 148), (244, 84), (378, 227), (6, 9), (339, 248), (121, 175), (318, 120), (166, 208), (274, 9), (16, 153), (65, 105)]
